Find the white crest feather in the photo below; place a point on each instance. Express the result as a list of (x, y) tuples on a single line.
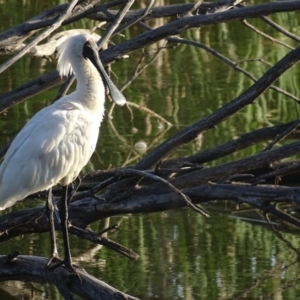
[(64, 66), (67, 47), (67, 50)]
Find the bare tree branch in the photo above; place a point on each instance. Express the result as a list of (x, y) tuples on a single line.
[(40, 37), (32, 268)]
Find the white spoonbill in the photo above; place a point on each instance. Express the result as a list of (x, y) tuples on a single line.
[(59, 140)]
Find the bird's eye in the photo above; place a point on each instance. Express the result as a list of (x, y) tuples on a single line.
[(88, 45)]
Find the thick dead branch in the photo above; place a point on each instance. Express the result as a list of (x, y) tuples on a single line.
[(12, 38), (133, 172), (281, 173), (149, 199), (246, 140), (160, 11), (33, 268), (240, 166), (54, 26)]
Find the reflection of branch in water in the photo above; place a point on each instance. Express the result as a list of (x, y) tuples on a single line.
[(274, 273)]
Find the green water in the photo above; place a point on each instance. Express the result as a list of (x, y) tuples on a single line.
[(182, 255)]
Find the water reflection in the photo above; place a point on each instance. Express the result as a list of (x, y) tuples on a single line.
[(182, 255)]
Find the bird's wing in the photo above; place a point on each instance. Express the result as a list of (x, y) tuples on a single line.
[(53, 147)]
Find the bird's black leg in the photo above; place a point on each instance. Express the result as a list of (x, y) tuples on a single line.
[(64, 223), (50, 206)]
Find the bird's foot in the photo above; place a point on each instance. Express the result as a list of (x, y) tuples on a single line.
[(68, 265), (54, 258), (12, 256)]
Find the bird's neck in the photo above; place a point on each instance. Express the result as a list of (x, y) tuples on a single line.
[(90, 90)]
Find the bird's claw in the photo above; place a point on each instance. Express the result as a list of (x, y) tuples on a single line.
[(68, 266), (53, 258)]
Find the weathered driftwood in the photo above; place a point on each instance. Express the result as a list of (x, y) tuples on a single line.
[(32, 268)]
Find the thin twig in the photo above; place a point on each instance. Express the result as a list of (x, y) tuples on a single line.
[(138, 71), (191, 10), (280, 28), (96, 189), (253, 59), (137, 18), (245, 22), (133, 172), (231, 63), (149, 111), (112, 27), (283, 135), (269, 208), (96, 237)]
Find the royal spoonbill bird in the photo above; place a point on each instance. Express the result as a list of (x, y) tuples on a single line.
[(59, 140)]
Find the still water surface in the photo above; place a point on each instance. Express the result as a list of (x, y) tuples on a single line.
[(182, 255)]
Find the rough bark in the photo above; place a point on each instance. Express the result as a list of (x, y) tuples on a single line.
[(32, 268)]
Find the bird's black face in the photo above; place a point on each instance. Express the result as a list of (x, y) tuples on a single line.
[(90, 51)]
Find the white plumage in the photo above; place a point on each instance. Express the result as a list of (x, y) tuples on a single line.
[(59, 140)]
